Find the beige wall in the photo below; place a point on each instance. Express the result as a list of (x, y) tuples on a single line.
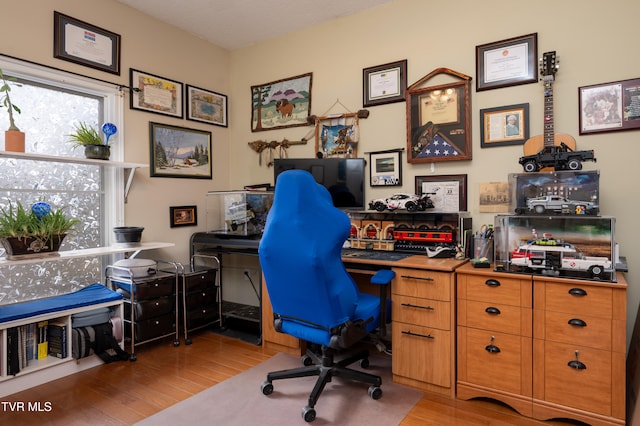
[(595, 41)]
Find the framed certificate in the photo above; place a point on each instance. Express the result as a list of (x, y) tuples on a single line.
[(384, 84), (507, 62)]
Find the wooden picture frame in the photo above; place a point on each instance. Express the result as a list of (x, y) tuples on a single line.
[(505, 125), (183, 216), (384, 84), (448, 192), (206, 106), (85, 44), (179, 152), (385, 168), (609, 107), (507, 62), (152, 93), (439, 120), (281, 104)]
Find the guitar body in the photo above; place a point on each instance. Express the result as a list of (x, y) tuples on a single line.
[(535, 144)]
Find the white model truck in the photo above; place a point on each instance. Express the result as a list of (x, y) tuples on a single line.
[(552, 256)]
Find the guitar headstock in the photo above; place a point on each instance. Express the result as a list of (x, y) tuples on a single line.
[(549, 65)]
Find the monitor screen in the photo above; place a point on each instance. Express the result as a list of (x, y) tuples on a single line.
[(343, 177)]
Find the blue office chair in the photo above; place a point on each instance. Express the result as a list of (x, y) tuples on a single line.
[(313, 296)]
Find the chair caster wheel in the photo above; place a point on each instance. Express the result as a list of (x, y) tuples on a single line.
[(176, 343), (133, 357), (187, 341), (266, 388), (308, 414), (307, 360), (375, 392), (364, 363)]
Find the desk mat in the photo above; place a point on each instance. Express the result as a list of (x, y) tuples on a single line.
[(375, 254)]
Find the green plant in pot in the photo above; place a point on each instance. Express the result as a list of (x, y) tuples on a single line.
[(88, 137), (35, 231), (13, 137)]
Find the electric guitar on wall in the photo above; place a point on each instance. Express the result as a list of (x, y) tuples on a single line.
[(548, 68)]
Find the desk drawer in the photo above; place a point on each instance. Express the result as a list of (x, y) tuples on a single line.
[(200, 280), (422, 354), (508, 291), (422, 283), (413, 310), (578, 298), (492, 316), (588, 331)]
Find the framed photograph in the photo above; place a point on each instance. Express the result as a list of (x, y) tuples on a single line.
[(206, 106), (183, 216), (179, 152), (439, 123), (385, 168), (506, 125), (85, 44), (507, 62), (448, 192), (282, 103), (609, 107), (155, 94), (384, 84)]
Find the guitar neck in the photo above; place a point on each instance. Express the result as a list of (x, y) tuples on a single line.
[(549, 131)]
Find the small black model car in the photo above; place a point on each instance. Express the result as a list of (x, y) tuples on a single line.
[(560, 157)]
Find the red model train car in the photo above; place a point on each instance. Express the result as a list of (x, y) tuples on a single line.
[(434, 236)]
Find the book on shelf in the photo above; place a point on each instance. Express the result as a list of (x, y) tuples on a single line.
[(57, 339), (13, 359), (42, 346)]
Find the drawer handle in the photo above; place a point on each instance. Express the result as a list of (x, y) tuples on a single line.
[(577, 322), (418, 278), (577, 292), (577, 364), (492, 283), (493, 311), (409, 305), (492, 349), (426, 336)]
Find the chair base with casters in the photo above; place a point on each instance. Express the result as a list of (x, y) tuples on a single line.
[(325, 367)]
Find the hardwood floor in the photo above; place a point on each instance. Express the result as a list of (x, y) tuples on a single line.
[(123, 393)]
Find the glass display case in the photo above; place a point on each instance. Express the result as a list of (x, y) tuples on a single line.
[(236, 214), (580, 247)]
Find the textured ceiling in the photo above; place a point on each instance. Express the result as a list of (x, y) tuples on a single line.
[(233, 24)]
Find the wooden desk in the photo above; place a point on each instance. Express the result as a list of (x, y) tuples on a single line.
[(423, 319)]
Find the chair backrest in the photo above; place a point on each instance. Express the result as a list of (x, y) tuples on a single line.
[(300, 253)]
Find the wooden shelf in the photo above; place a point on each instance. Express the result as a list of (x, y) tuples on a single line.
[(92, 252)]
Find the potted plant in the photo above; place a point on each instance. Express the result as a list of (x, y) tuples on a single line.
[(13, 137), (35, 231), (89, 138)]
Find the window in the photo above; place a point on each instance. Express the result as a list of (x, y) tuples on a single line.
[(52, 102)]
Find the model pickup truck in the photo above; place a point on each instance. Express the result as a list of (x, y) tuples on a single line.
[(560, 157), (558, 204)]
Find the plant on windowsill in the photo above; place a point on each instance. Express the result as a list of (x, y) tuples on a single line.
[(37, 231), (89, 138), (13, 137)]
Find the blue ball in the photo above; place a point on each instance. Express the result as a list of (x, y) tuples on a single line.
[(41, 209)]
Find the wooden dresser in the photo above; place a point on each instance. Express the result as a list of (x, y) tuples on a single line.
[(548, 347)]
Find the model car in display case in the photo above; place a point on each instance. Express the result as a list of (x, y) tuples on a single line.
[(574, 247), (555, 193), (238, 213)]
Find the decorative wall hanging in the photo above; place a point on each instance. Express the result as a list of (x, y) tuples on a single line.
[(507, 62), (448, 192), (610, 107), (384, 84), (337, 135), (506, 125), (183, 216), (155, 94), (282, 103), (179, 152), (85, 44), (439, 120), (385, 168), (273, 149), (206, 106)]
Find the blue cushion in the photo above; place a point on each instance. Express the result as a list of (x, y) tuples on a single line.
[(91, 295), (383, 277)]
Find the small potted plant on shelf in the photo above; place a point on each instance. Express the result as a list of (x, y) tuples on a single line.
[(35, 231), (88, 137), (13, 137)]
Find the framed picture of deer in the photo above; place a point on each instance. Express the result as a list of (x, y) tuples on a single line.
[(282, 103)]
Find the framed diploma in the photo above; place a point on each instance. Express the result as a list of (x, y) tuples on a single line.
[(384, 84), (507, 62), (155, 94), (85, 44)]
